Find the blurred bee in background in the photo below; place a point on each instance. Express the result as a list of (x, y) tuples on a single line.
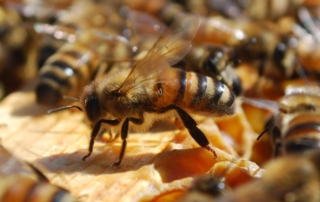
[(296, 127), (17, 51), (270, 9), (33, 12), (213, 61), (227, 8), (291, 178), (151, 89), (20, 181), (205, 188), (222, 179), (270, 54), (214, 29), (38, 10), (77, 62)]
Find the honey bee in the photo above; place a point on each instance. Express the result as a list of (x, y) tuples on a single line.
[(20, 181), (290, 178), (77, 62), (214, 29), (213, 61), (152, 88), (271, 50), (270, 9), (294, 125), (295, 128), (17, 51)]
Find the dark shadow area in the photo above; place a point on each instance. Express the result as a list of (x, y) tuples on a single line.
[(98, 163), (161, 126)]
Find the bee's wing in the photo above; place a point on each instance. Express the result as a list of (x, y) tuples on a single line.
[(144, 26), (170, 48)]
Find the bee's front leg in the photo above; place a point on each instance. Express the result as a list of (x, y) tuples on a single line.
[(95, 132)]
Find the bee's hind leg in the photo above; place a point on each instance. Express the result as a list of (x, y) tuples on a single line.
[(191, 125)]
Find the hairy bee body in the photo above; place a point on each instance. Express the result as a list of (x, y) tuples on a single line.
[(296, 127), (20, 181), (135, 97), (193, 92)]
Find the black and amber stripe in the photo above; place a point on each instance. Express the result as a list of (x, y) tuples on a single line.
[(213, 61), (195, 92), (300, 134), (303, 134), (32, 190), (66, 73)]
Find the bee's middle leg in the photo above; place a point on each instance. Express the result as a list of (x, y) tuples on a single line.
[(124, 135)]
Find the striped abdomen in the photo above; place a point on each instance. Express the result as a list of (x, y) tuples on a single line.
[(23, 188), (66, 73), (302, 134), (194, 92)]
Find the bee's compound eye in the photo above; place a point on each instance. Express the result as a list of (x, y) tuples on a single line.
[(92, 107), (47, 94), (210, 65)]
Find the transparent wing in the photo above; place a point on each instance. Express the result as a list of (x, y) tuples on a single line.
[(170, 48)]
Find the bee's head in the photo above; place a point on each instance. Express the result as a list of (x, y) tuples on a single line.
[(91, 102), (211, 63)]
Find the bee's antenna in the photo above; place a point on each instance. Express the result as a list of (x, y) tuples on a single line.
[(265, 130), (70, 98), (64, 107)]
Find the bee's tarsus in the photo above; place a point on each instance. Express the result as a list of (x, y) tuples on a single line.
[(211, 149), (86, 156)]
